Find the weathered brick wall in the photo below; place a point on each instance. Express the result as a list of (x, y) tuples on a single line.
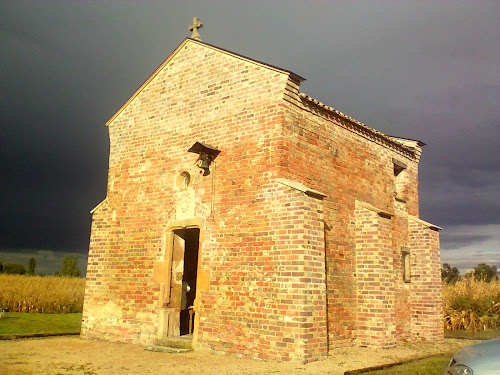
[(267, 292), (330, 154), (425, 293), (402, 289), (375, 322), (264, 245), (206, 95)]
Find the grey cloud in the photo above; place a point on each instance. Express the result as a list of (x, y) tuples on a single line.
[(465, 246), (454, 240), (423, 70), (465, 260)]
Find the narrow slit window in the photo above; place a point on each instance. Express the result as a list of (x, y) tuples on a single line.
[(405, 261)]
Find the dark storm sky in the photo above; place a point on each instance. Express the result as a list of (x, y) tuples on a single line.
[(428, 70)]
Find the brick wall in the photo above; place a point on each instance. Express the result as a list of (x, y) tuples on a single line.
[(267, 294), (375, 278), (334, 155), (401, 245), (425, 293), (205, 95)]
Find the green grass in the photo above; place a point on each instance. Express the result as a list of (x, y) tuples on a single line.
[(429, 366), (25, 324), (434, 365)]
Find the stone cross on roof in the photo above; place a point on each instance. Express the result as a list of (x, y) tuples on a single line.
[(197, 24)]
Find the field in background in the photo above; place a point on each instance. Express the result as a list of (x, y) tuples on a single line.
[(471, 305), (37, 294), (468, 305), (471, 308)]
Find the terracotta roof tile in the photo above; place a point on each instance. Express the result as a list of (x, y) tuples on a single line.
[(357, 123)]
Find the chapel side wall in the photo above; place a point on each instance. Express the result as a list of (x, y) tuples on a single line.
[(201, 95), (327, 154)]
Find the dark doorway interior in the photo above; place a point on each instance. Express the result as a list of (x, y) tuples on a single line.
[(192, 240)]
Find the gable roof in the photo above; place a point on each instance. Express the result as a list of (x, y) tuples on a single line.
[(364, 128), (172, 55)]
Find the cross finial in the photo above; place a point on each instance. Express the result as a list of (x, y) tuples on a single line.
[(197, 24)]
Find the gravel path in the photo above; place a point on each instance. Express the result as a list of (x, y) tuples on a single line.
[(71, 355)]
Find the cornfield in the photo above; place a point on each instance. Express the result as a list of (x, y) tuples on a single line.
[(37, 294), (471, 305)]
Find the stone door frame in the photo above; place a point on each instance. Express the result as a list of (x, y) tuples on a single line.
[(201, 279)]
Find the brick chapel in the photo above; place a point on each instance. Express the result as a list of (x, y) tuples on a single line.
[(243, 216)]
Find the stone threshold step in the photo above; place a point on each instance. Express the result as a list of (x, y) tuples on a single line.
[(182, 342), (167, 349)]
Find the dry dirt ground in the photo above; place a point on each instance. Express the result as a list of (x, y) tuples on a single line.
[(71, 355)]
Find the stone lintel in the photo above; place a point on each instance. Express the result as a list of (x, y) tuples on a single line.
[(98, 206), (425, 223), (381, 212), (299, 186), (399, 163)]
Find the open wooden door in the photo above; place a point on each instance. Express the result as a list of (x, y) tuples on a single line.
[(179, 299)]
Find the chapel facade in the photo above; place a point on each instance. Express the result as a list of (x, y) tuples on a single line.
[(249, 218)]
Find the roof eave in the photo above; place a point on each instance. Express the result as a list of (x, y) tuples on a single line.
[(358, 124)]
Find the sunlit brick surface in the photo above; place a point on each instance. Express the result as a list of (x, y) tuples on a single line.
[(283, 273)]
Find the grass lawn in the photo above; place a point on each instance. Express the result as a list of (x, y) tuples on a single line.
[(434, 365), (21, 324), (429, 366)]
